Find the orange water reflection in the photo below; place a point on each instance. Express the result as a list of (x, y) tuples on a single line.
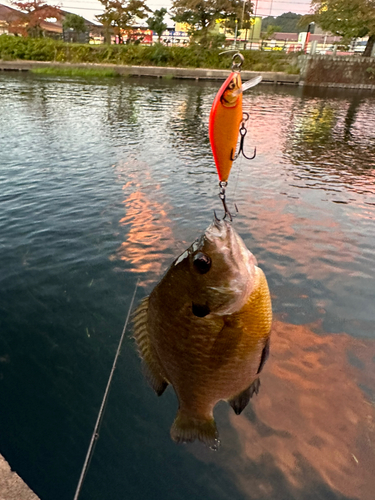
[(149, 241), (312, 425), (284, 234)]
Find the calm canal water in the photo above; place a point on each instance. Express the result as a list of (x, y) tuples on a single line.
[(102, 182)]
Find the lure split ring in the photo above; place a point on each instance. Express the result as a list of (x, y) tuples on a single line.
[(236, 66)]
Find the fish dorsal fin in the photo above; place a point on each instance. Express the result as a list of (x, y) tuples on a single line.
[(247, 85), (151, 365)]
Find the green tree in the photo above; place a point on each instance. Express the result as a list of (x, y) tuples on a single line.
[(348, 19), (270, 31), (106, 20), (156, 22), (34, 13), (288, 23), (291, 23), (121, 15), (199, 14), (268, 34), (74, 22), (237, 12), (202, 14)]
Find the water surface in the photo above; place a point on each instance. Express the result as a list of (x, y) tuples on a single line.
[(104, 182)]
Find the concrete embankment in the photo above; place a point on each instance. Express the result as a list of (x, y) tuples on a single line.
[(351, 72), (11, 485), (155, 71)]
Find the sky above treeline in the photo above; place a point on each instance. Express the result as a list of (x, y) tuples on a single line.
[(264, 8)]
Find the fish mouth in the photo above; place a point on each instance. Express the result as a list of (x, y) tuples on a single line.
[(218, 229)]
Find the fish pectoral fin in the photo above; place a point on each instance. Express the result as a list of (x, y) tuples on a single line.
[(186, 429), (239, 402), (151, 365), (265, 355)]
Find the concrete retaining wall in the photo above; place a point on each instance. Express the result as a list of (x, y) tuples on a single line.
[(11, 485), (334, 71), (156, 71)]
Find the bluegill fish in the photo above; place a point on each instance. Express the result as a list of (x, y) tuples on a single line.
[(205, 330)]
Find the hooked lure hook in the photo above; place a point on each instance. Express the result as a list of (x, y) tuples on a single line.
[(243, 132), (223, 185)]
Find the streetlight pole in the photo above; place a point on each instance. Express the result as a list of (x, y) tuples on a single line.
[(252, 26), (241, 26), (243, 15), (235, 34)]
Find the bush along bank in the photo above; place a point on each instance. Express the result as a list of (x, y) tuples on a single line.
[(45, 49)]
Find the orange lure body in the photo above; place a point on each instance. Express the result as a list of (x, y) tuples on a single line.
[(224, 124)]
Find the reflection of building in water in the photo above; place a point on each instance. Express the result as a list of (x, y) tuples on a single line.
[(149, 240), (312, 427), (333, 144), (316, 124)]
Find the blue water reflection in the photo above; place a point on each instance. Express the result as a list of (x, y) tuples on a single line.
[(104, 182)]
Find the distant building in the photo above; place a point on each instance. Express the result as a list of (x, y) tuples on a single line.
[(172, 36), (285, 37), (246, 36), (8, 18), (139, 35), (321, 38), (13, 21)]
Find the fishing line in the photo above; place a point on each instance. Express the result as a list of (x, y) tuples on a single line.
[(95, 433), (238, 176)]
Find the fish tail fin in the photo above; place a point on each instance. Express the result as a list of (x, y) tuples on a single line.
[(186, 429)]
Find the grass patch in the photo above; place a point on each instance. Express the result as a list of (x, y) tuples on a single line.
[(293, 70), (81, 72)]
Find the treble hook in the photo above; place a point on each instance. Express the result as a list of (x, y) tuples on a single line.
[(243, 132), (223, 185)]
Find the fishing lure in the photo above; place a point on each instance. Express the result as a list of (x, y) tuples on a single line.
[(226, 117)]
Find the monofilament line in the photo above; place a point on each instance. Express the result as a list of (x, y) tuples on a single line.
[(95, 434)]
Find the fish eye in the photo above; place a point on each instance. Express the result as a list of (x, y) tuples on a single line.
[(231, 85), (202, 262)]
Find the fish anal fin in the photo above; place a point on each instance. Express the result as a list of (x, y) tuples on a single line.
[(239, 402), (186, 429), (154, 378), (151, 365)]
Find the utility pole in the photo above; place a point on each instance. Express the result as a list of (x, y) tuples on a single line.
[(308, 36), (243, 13)]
